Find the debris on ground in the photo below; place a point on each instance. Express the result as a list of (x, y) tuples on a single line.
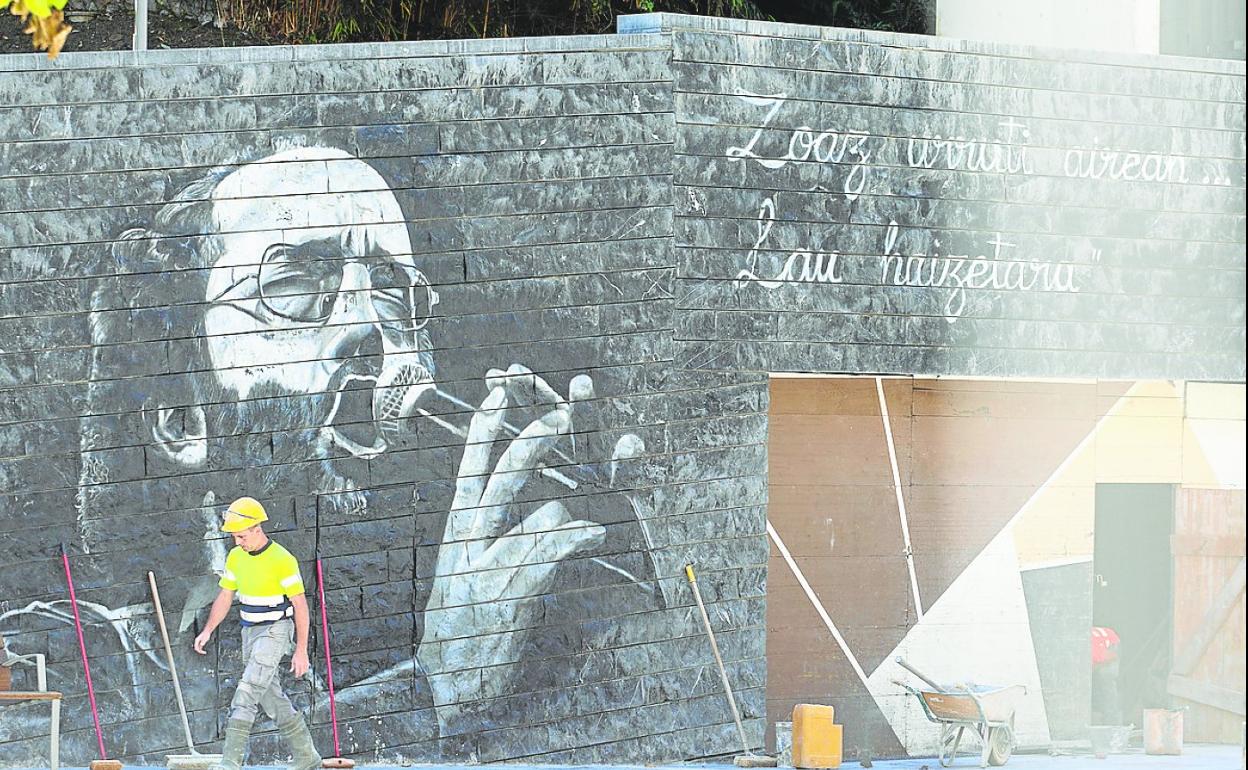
[(113, 30)]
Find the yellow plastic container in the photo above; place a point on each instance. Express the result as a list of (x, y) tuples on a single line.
[(817, 738)]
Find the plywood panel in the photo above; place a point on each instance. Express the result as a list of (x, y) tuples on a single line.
[(1062, 402), (1215, 401), (971, 454), (1213, 453), (837, 519), (1213, 516), (1006, 386), (985, 451), (833, 449), (855, 590), (1059, 526), (959, 516), (1140, 449), (832, 500), (837, 395)]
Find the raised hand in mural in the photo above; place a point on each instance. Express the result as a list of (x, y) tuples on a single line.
[(490, 575)]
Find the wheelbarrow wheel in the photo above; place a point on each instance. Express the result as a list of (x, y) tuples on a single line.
[(1002, 745), (950, 737)]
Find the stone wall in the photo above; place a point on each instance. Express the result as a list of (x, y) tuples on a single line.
[(213, 266), (487, 326), (850, 201)]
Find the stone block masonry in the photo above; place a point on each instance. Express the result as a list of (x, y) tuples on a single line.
[(487, 325), (849, 201)]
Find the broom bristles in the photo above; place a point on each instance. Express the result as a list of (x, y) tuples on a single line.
[(191, 761)]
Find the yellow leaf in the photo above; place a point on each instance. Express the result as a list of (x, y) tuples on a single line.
[(47, 33), (58, 35), (38, 32), (39, 8)]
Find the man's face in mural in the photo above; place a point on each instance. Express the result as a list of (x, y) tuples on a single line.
[(313, 291)]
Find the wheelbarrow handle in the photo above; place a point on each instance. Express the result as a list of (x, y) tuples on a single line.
[(906, 687), (902, 662)]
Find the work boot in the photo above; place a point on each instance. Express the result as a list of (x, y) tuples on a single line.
[(236, 733), (299, 739)]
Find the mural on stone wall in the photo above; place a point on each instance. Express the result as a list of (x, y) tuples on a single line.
[(1063, 218), (316, 326), (506, 431), (309, 361)]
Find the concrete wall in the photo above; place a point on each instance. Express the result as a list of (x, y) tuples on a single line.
[(172, 225), (217, 268)]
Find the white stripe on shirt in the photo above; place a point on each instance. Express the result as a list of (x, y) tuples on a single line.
[(262, 617), (275, 600)]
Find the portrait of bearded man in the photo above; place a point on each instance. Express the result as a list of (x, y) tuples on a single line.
[(296, 322)]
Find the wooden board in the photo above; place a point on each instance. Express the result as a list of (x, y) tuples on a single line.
[(1209, 639), (969, 454)]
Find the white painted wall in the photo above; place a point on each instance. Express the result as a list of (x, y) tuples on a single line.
[(1106, 25)]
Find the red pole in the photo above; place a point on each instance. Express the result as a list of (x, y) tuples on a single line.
[(82, 646), (329, 664)]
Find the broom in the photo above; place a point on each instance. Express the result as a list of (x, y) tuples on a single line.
[(336, 761), (749, 758), (103, 763), (194, 760)]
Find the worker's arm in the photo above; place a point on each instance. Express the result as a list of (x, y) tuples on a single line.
[(299, 661), (220, 608)]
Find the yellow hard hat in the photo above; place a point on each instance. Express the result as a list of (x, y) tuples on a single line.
[(244, 513)]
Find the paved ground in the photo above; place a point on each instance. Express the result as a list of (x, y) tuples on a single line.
[(1193, 758)]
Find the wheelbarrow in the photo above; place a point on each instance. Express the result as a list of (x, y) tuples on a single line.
[(986, 711)]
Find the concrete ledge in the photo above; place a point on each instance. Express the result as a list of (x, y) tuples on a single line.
[(1194, 757)]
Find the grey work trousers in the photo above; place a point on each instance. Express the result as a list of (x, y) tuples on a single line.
[(260, 686)]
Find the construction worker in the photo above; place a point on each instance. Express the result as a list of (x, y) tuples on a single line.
[(1106, 707), (274, 616)]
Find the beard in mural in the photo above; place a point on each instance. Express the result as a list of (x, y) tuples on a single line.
[(305, 317)]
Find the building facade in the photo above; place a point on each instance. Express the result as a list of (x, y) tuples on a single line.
[(496, 331)]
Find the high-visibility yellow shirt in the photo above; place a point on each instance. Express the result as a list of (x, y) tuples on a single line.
[(264, 582)]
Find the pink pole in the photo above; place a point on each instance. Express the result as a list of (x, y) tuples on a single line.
[(82, 646), (329, 664)]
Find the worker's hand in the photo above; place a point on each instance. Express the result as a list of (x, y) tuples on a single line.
[(299, 663), (201, 640), (491, 574)]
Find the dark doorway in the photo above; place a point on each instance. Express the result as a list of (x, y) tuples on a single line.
[(1132, 588)]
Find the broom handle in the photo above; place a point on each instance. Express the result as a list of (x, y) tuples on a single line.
[(329, 665), (82, 647), (706, 620), (173, 669)]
